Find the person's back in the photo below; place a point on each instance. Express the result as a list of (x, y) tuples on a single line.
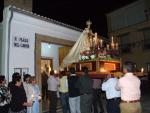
[(112, 95), (74, 94), (73, 90), (44, 77), (63, 84), (129, 85), (53, 84), (63, 92), (97, 99), (85, 85), (110, 87)]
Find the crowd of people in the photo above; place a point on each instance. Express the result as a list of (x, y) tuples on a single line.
[(78, 94), (123, 94), (18, 96), (82, 94)]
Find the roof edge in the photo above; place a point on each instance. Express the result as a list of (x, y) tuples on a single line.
[(22, 11)]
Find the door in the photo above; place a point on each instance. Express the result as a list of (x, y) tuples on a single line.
[(46, 67), (63, 51)]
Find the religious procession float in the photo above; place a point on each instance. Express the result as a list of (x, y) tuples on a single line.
[(95, 52)]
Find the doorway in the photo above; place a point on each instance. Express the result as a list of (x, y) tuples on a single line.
[(46, 67), (39, 39)]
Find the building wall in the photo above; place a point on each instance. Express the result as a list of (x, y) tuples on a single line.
[(131, 28), (147, 4), (126, 16), (137, 53), (26, 26), (0, 44), (134, 41), (23, 4)]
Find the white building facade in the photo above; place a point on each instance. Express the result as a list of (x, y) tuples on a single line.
[(19, 30)]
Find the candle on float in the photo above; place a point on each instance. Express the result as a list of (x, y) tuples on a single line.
[(95, 35), (95, 39), (142, 69), (90, 42), (55, 71), (112, 46), (112, 39), (107, 47), (39, 97), (32, 96), (101, 43), (112, 43), (116, 46)]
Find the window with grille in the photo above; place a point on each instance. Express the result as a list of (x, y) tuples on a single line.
[(146, 33), (125, 43)]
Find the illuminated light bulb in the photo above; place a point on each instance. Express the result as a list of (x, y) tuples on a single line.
[(102, 70), (142, 69), (116, 46), (49, 46), (32, 96), (55, 71), (39, 97), (101, 43)]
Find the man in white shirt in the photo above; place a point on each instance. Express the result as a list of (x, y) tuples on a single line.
[(53, 83), (112, 95), (129, 85)]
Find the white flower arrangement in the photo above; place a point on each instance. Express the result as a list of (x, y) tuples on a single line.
[(93, 56)]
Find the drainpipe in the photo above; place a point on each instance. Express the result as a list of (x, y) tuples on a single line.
[(8, 50), (8, 15)]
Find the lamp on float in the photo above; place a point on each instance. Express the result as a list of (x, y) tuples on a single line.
[(55, 71), (102, 69), (142, 70), (49, 45), (107, 46), (101, 43), (116, 46), (112, 43)]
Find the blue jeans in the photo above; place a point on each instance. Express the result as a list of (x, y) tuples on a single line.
[(64, 97), (74, 103)]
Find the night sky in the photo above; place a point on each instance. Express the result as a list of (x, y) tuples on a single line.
[(77, 12), (1, 9)]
